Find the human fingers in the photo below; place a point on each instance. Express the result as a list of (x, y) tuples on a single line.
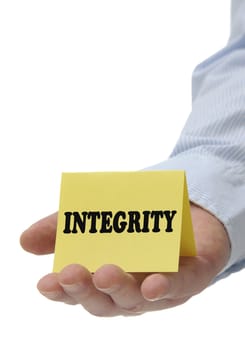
[(73, 285), (123, 288), (193, 276), (40, 237), (77, 283), (50, 287)]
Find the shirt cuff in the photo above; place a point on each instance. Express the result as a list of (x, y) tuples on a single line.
[(220, 189)]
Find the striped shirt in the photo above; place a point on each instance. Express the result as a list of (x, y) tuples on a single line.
[(211, 147)]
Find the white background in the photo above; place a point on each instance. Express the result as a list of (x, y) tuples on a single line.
[(88, 86)]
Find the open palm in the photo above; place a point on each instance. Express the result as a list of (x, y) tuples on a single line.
[(111, 291)]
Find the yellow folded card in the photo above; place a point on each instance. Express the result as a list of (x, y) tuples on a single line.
[(139, 221)]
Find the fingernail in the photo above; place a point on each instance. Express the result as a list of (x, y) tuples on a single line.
[(74, 288), (109, 290), (160, 297), (51, 295)]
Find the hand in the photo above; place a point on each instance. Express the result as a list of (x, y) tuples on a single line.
[(111, 292)]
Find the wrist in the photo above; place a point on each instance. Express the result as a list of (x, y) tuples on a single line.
[(212, 240)]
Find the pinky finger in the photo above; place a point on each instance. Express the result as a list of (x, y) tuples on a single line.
[(49, 287)]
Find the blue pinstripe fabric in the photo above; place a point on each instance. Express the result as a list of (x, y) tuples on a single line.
[(211, 147)]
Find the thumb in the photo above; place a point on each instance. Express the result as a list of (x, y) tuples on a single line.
[(40, 237)]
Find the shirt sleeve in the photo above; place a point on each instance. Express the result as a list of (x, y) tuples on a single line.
[(211, 147)]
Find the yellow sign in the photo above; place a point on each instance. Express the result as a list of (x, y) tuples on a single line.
[(139, 221)]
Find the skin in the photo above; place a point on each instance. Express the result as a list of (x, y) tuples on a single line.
[(110, 291)]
